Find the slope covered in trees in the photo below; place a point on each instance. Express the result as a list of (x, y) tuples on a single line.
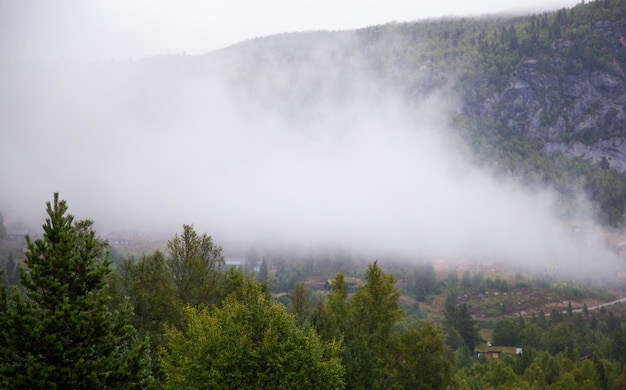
[(532, 89), (541, 96)]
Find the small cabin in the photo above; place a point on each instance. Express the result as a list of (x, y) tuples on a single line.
[(496, 352)]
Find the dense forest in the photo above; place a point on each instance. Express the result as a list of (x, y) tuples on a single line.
[(181, 318), (541, 96), (78, 312)]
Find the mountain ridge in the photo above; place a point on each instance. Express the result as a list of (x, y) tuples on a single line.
[(558, 76)]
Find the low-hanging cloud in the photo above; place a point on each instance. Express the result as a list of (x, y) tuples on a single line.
[(72, 30), (158, 143)]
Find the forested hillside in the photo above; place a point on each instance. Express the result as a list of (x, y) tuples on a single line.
[(558, 76), (299, 298), (542, 96), (182, 319)]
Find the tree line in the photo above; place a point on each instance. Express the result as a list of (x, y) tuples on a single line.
[(180, 320)]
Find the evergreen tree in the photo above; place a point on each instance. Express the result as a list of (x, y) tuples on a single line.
[(460, 319), (11, 270), (59, 333), (423, 282), (194, 262), (374, 310)]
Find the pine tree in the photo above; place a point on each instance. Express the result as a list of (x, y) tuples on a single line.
[(11, 270), (59, 333), (460, 319)]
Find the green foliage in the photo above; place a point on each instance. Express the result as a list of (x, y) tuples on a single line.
[(424, 362), (574, 351), (150, 288), (497, 284), (561, 338), (556, 46), (11, 271), (60, 333), (507, 332), (194, 262), (459, 319), (332, 320), (532, 336), (375, 305), (422, 281), (374, 310), (499, 148), (500, 375), (620, 382), (251, 342), (156, 285), (377, 353), (485, 58), (301, 303)]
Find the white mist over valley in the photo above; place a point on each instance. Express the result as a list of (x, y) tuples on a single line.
[(324, 155)]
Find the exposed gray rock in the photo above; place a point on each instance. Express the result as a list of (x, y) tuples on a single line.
[(613, 150), (578, 113)]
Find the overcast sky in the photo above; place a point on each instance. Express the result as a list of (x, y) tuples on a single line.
[(71, 30)]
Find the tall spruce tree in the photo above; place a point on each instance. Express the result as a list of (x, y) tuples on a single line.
[(59, 333)]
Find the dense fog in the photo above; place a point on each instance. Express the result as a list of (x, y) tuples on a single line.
[(306, 153), (95, 30)]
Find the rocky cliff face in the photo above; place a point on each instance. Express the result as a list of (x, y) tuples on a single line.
[(577, 109)]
